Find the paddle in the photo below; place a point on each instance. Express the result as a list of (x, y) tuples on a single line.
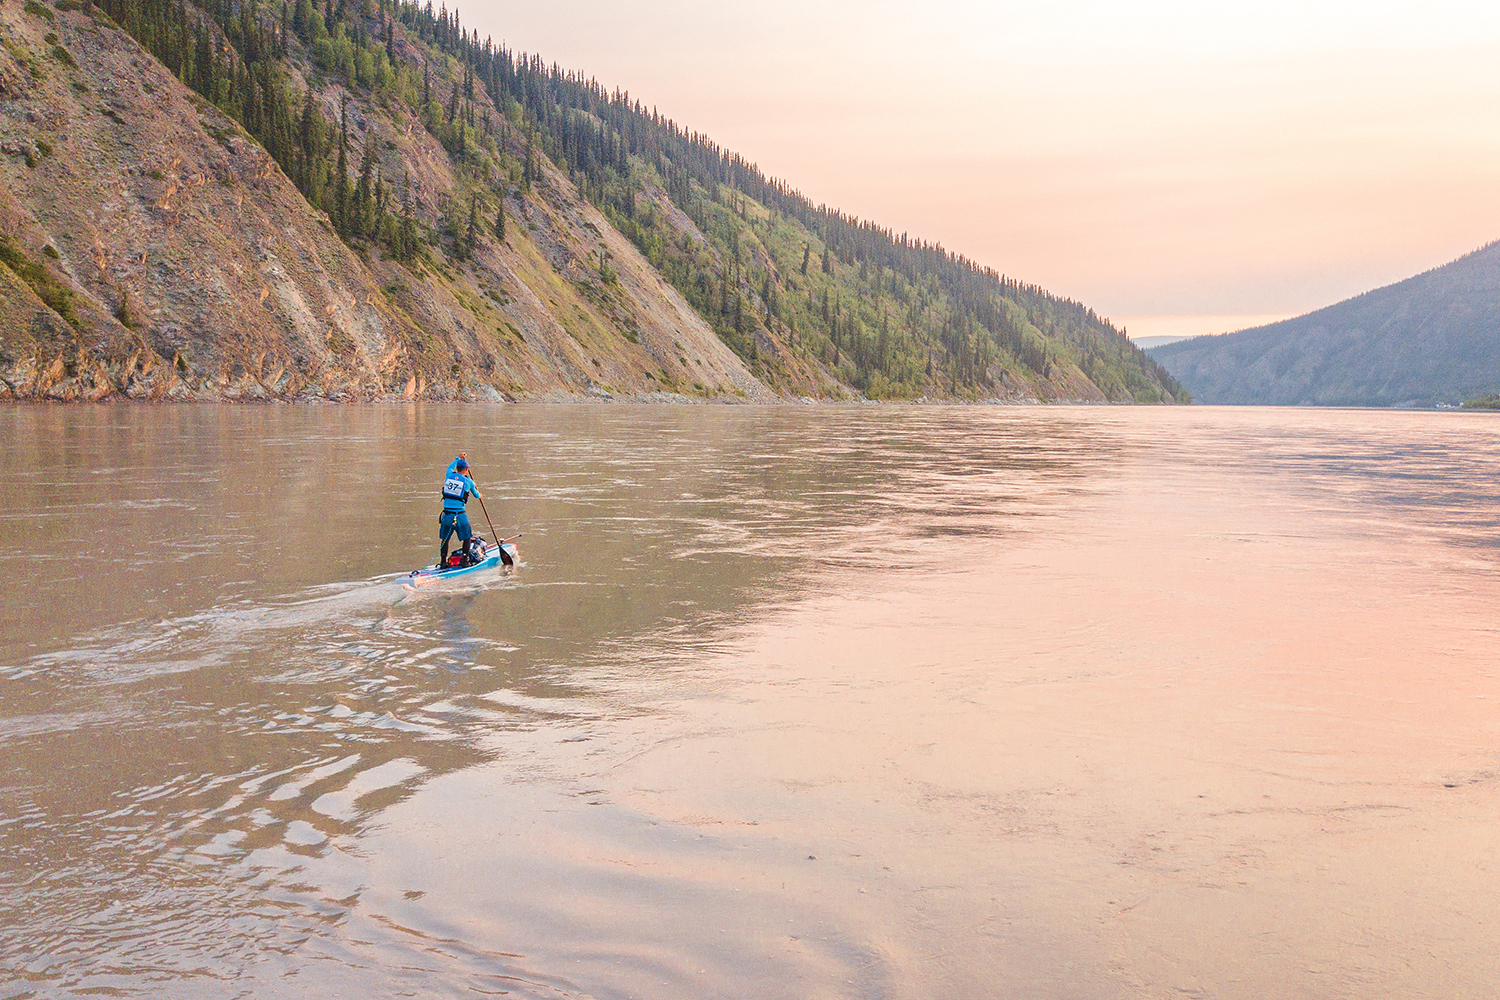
[(504, 556)]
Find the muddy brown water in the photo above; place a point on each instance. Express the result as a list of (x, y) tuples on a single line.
[(814, 702)]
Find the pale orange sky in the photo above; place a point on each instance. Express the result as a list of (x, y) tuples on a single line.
[(1177, 166)]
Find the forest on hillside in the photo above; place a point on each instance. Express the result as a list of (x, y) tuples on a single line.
[(781, 280)]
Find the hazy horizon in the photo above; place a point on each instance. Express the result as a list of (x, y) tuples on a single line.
[(1179, 170)]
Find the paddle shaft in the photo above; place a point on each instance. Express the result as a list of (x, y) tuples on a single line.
[(493, 533), (504, 556)]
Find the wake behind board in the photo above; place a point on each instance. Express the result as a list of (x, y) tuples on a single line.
[(433, 574)]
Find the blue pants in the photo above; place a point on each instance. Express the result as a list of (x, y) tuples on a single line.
[(451, 521)]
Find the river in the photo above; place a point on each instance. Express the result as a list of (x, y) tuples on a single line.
[(803, 702)]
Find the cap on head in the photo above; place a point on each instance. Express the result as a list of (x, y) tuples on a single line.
[(461, 465)]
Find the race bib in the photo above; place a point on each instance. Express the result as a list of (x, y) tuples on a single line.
[(455, 488)]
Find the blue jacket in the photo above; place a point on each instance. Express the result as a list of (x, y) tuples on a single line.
[(457, 488)]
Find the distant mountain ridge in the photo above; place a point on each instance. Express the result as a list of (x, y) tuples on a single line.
[(1431, 340), (1147, 343), (361, 199)]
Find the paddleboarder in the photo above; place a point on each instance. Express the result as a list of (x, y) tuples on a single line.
[(458, 486)]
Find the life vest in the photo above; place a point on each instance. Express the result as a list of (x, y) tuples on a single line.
[(456, 488)]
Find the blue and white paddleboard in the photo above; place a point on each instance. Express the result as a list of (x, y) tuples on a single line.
[(432, 574)]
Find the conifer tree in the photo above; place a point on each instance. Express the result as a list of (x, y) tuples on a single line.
[(307, 136), (341, 189), (408, 231), (500, 221), (365, 194), (806, 255), (471, 234)]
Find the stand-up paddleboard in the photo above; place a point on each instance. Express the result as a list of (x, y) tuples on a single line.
[(489, 558)]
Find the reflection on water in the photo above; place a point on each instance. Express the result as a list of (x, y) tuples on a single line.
[(865, 702)]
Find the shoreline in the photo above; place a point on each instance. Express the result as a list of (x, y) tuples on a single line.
[(654, 399)]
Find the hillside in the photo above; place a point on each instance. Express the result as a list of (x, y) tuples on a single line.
[(1429, 340), (362, 200)]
